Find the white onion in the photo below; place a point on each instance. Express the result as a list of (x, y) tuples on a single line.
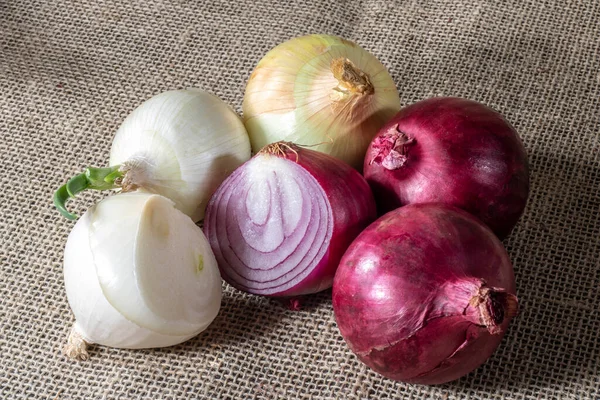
[(180, 144), (138, 274)]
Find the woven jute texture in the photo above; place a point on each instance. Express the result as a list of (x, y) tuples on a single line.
[(70, 71)]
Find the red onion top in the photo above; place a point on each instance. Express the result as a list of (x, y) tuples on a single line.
[(453, 151)]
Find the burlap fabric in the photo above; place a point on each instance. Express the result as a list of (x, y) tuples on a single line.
[(70, 71)]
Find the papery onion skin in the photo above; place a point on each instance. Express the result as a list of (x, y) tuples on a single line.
[(453, 151), (424, 294), (118, 298), (319, 90), (351, 208)]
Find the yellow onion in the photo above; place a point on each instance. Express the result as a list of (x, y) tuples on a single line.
[(321, 91)]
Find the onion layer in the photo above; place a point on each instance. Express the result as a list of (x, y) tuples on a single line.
[(281, 222), (453, 151), (424, 294)]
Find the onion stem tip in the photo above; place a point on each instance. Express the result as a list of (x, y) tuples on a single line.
[(92, 178)]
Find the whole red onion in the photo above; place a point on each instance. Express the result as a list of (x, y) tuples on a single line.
[(453, 151), (281, 222), (424, 294)]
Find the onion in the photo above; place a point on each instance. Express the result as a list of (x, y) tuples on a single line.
[(180, 144), (424, 294), (319, 90), (281, 222), (138, 274), (452, 151)]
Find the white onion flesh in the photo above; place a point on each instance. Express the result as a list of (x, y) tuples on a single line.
[(139, 273)]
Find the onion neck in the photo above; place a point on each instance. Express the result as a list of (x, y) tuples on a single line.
[(478, 303), (351, 79), (127, 177), (391, 149), (76, 346), (280, 149), (494, 306)]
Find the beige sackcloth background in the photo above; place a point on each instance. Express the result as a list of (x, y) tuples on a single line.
[(71, 71)]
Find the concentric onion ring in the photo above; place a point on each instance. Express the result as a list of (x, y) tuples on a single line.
[(273, 222)]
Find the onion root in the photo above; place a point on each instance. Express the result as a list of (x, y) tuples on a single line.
[(76, 347)]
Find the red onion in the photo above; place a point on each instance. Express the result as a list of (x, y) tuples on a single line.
[(453, 151), (424, 294), (281, 222)]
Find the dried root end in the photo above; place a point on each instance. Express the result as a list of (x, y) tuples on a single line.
[(76, 347)]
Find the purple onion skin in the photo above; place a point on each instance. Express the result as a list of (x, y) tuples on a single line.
[(424, 294), (353, 209), (459, 152)]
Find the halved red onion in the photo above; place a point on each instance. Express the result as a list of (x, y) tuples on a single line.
[(281, 222)]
